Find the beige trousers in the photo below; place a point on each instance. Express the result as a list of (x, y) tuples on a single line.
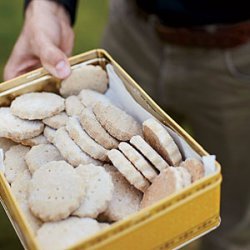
[(210, 88)]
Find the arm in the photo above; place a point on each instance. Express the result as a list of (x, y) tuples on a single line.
[(46, 39)]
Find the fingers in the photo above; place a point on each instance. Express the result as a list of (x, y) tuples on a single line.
[(10, 71), (14, 68), (20, 61), (51, 58), (54, 60), (68, 40)]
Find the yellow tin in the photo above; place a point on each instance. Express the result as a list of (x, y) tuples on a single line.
[(168, 224)]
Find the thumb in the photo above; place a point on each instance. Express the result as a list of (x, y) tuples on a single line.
[(54, 61)]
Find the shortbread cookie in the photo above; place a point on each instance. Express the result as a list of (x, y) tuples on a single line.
[(20, 185), (90, 97), (40, 139), (98, 193), (6, 144), (15, 128), (95, 130), (125, 200), (84, 141), (149, 153), (73, 106), (64, 234), (49, 133), (56, 121), (85, 77), (70, 151), (117, 122), (159, 138), (128, 170), (166, 183), (194, 167), (40, 155), (55, 191), (37, 106), (138, 161), (14, 162), (19, 188), (104, 225)]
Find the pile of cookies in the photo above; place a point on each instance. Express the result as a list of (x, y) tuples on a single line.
[(77, 163)]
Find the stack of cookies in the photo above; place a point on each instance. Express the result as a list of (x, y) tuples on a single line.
[(77, 163)]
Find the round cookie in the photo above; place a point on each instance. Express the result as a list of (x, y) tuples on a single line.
[(125, 167), (169, 181), (84, 141), (116, 121), (14, 162), (6, 144), (104, 225), (85, 77), (40, 155), (138, 161), (126, 198), (70, 151), (37, 106), (63, 234), (55, 191), (194, 167), (73, 106), (40, 139), (99, 190), (56, 121), (49, 133), (90, 97), (20, 188), (18, 129), (159, 138), (95, 130), (20, 185), (149, 153)]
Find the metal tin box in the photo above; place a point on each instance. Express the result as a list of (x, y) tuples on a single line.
[(168, 224)]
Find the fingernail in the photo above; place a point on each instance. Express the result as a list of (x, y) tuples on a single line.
[(62, 69)]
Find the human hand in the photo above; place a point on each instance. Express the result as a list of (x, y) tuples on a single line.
[(46, 39)]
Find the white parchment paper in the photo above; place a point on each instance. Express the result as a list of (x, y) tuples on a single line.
[(119, 95)]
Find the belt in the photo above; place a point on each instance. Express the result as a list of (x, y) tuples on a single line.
[(216, 36), (210, 36)]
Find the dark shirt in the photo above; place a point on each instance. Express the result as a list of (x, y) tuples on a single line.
[(184, 13), (197, 12), (69, 5)]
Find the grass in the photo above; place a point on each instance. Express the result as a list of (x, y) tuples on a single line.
[(91, 19)]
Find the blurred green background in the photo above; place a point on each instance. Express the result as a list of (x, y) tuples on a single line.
[(91, 19)]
